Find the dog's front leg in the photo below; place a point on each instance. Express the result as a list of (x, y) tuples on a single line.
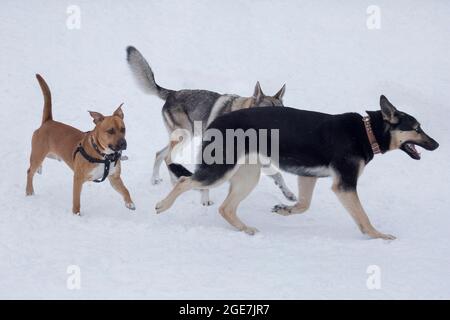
[(77, 186), (159, 157), (184, 184), (350, 201), (279, 181), (205, 198), (345, 190), (305, 191), (119, 186)]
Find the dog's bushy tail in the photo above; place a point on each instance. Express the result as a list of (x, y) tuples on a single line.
[(143, 74), (47, 114), (179, 171)]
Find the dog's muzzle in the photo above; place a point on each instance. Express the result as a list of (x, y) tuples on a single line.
[(433, 145), (428, 144), (121, 145)]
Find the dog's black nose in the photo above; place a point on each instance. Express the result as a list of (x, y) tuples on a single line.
[(436, 145), (122, 144), (433, 144)]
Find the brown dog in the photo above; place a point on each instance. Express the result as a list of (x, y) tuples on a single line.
[(93, 156)]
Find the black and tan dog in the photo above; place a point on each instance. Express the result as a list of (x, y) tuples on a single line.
[(93, 155), (311, 145)]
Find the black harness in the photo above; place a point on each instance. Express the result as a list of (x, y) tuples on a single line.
[(107, 159)]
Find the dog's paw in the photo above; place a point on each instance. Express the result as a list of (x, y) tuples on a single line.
[(387, 236), (379, 235), (156, 181), (29, 193), (282, 209), (161, 207), (130, 205), (250, 231), (290, 196), (77, 214), (207, 203), (285, 210)]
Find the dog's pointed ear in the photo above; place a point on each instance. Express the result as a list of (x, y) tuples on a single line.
[(119, 112), (258, 93), (388, 110), (279, 95), (97, 116)]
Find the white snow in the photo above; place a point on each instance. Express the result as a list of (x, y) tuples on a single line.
[(330, 61)]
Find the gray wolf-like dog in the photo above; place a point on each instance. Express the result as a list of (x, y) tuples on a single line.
[(184, 107)]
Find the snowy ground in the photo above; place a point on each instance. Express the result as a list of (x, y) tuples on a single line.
[(330, 61)]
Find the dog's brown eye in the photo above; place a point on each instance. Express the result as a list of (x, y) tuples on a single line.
[(122, 130), (111, 131)]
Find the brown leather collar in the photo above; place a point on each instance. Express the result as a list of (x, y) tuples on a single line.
[(372, 140)]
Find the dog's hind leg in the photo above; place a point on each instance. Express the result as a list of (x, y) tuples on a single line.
[(36, 158), (279, 181), (241, 184), (76, 198), (159, 157), (171, 148), (184, 184), (305, 191)]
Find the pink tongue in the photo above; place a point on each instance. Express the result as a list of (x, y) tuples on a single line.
[(414, 148)]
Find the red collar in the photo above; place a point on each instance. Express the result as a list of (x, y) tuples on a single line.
[(372, 140)]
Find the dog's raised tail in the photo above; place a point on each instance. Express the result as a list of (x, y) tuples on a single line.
[(179, 171), (143, 74), (47, 114)]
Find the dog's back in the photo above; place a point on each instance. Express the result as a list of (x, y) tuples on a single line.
[(307, 140), (183, 107)]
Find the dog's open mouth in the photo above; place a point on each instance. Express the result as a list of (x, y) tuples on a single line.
[(410, 149), (116, 148)]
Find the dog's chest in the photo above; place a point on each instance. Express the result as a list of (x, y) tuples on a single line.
[(99, 170)]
